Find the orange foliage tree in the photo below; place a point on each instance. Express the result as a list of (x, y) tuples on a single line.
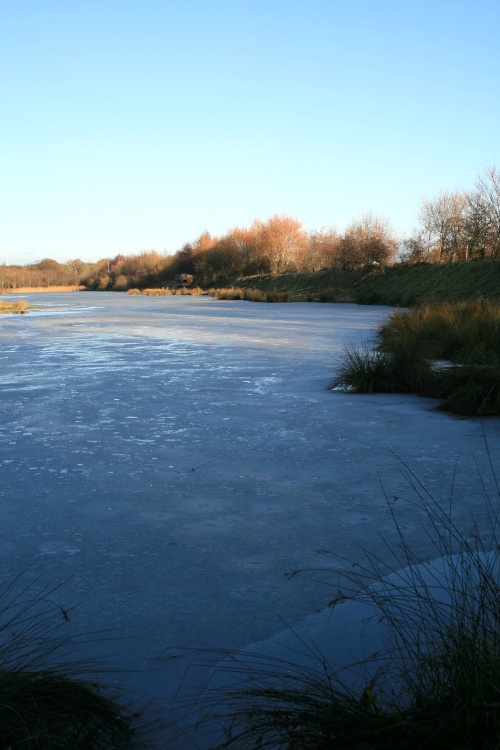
[(282, 242)]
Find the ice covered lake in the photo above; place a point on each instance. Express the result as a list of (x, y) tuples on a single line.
[(172, 459)]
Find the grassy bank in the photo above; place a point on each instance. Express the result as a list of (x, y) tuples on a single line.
[(399, 285)]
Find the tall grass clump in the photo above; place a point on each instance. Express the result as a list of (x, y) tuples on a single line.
[(255, 295), (435, 683), (18, 306), (157, 292), (225, 294), (328, 296), (449, 351), (363, 370), (275, 295), (453, 331), (194, 291), (46, 701)]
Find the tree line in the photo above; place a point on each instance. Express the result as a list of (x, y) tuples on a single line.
[(459, 226), (452, 227)]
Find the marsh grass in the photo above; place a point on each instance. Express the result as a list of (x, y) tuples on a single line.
[(43, 289), (363, 370), (153, 292), (448, 351), (47, 700), (250, 294), (18, 306), (255, 295), (459, 332), (435, 685), (274, 295)]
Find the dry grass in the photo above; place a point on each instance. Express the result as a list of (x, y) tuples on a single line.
[(183, 291), (250, 295), (39, 289), (18, 306), (152, 292)]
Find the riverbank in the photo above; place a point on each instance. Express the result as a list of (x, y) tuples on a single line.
[(398, 285)]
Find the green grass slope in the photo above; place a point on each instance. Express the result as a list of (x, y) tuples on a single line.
[(402, 285)]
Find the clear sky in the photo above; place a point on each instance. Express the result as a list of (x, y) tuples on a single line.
[(131, 125)]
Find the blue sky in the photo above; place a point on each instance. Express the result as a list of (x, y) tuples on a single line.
[(131, 125)]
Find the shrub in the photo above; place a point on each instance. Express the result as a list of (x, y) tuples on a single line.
[(133, 291)]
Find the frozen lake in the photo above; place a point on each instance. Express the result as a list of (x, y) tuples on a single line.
[(173, 458)]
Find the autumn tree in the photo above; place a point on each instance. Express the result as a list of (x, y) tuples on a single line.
[(224, 259), (323, 251), (281, 241), (369, 240)]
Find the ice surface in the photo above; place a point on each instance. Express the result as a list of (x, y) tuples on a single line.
[(174, 458)]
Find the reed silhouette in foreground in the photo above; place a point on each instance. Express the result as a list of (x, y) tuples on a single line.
[(47, 700), (436, 683)]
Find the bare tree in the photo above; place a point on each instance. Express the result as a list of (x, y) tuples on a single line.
[(442, 219), (487, 201), (415, 249), (323, 251)]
